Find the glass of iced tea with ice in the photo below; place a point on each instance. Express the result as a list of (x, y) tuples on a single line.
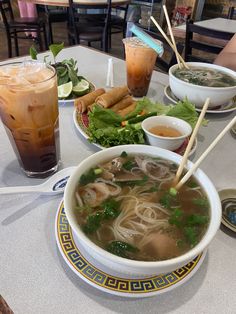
[(29, 112), (140, 62)]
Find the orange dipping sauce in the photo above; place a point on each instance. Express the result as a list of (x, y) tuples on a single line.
[(165, 131)]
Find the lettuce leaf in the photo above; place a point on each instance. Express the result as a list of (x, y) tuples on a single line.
[(105, 125), (113, 136), (149, 106), (105, 129), (184, 110), (100, 118)]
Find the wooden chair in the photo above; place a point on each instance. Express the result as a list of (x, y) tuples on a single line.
[(118, 19), (231, 12), (16, 27), (55, 15), (210, 41), (169, 59), (89, 23)]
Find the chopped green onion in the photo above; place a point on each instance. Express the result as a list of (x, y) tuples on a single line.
[(97, 171), (123, 154), (173, 191)]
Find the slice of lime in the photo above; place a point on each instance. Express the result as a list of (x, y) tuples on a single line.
[(81, 88), (64, 90)]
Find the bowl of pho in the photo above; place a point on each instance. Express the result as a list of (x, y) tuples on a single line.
[(203, 80), (122, 207)]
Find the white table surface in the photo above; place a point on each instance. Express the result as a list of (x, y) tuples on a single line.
[(219, 24), (35, 279)]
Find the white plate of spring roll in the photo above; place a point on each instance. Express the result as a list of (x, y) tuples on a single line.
[(81, 122), (118, 99), (122, 103)]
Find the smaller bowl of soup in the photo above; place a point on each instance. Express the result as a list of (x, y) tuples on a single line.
[(203, 80), (166, 132), (120, 206)]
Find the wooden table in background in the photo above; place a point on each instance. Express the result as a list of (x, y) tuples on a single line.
[(220, 24), (65, 3)]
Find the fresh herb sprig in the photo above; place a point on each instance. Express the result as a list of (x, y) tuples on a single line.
[(66, 70), (121, 249), (109, 210)]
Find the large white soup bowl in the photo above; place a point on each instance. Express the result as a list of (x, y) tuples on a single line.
[(197, 94), (123, 265)]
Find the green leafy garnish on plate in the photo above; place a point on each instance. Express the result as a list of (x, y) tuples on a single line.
[(108, 128)]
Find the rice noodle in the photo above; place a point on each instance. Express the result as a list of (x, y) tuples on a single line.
[(196, 189), (78, 199), (138, 217), (98, 235)]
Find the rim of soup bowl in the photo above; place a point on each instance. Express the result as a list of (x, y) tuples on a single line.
[(205, 65), (112, 152)]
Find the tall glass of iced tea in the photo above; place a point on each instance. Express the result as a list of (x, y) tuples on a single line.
[(140, 61), (29, 112)]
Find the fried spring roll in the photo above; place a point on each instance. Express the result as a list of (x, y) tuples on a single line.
[(127, 110), (123, 103), (90, 107), (112, 97), (85, 101)]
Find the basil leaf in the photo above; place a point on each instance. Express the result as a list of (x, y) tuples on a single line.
[(56, 48), (62, 80), (73, 76), (33, 53)]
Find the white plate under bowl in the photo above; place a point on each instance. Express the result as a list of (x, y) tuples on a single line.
[(68, 102), (231, 106), (81, 123), (95, 274)]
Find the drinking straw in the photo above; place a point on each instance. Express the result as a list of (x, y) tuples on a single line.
[(203, 156), (147, 39), (168, 40), (112, 73), (191, 141), (110, 78), (172, 36)]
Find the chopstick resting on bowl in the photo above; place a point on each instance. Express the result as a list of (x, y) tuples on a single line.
[(191, 141), (203, 156), (169, 41)]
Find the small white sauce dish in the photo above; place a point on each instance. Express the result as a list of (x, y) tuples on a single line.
[(169, 143)]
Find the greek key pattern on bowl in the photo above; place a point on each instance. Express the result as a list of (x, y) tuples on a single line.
[(90, 272)]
